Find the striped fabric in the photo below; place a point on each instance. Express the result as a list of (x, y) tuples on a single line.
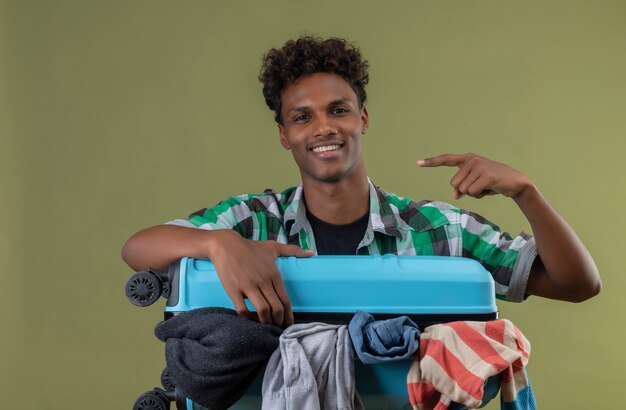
[(455, 360), (397, 225)]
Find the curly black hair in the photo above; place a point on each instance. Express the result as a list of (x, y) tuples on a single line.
[(308, 55)]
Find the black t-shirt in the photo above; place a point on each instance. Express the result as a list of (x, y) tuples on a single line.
[(338, 239)]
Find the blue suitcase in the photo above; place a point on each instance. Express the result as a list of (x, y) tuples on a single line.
[(428, 289)]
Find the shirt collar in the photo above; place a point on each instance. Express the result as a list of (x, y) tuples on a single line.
[(382, 218)]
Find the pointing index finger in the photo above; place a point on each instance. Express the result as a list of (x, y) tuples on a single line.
[(447, 160)]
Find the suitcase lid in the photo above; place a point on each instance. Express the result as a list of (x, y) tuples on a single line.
[(341, 284)]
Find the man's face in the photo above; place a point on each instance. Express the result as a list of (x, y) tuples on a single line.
[(322, 126)]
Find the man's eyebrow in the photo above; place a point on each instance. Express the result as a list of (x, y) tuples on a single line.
[(299, 109), (333, 103), (339, 101)]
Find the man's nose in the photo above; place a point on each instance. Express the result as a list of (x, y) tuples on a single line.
[(324, 127)]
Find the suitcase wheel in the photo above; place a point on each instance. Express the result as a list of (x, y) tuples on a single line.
[(152, 400), (166, 380), (143, 289)]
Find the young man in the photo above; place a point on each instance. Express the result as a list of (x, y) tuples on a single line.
[(317, 90)]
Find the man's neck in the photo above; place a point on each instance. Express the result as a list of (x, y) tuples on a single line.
[(337, 203)]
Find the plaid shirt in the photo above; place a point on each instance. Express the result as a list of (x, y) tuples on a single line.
[(397, 225)]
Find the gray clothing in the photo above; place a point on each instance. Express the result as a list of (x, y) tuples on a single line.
[(313, 368)]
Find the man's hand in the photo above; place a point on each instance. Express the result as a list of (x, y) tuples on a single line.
[(247, 268), (479, 176), (564, 269)]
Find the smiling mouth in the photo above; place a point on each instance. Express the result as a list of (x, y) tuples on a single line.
[(325, 148)]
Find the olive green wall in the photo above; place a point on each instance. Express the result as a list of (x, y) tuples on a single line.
[(118, 115)]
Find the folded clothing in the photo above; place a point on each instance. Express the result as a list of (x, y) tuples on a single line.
[(213, 354), (378, 341)]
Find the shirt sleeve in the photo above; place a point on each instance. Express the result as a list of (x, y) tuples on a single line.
[(509, 259), (233, 213)]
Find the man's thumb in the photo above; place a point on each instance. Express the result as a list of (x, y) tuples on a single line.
[(293, 250)]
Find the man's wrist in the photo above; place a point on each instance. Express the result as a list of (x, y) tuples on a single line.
[(213, 241), (209, 243), (528, 195)]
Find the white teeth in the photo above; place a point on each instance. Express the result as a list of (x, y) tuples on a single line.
[(326, 148)]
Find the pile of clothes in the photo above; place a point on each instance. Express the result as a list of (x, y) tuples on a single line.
[(213, 355)]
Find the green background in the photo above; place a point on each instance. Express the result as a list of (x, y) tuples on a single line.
[(118, 115)]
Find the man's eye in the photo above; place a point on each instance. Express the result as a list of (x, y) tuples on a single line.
[(339, 110), (302, 117)]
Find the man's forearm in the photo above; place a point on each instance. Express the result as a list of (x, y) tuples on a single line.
[(161, 245), (568, 271)]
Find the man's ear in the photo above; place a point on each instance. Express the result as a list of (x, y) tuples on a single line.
[(365, 122), (283, 137)]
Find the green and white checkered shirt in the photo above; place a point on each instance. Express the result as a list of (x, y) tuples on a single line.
[(397, 225)]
